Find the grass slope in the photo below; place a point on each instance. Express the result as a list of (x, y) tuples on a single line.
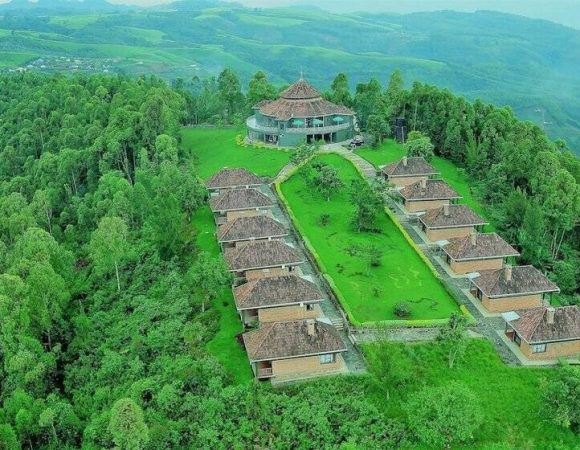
[(224, 345), (391, 151), (371, 293), (215, 148), (510, 396)]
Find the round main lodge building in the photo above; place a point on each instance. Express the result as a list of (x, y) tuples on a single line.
[(300, 115)]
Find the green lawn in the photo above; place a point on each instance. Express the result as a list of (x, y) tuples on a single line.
[(214, 148), (224, 345), (509, 396), (370, 293), (391, 151)]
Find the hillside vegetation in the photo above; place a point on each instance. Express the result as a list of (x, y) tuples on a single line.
[(500, 58)]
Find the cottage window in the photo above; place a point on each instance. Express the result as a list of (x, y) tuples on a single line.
[(309, 306), (327, 359), (539, 348)]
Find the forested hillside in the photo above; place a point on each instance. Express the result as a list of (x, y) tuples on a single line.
[(500, 58), (103, 328), (102, 332)]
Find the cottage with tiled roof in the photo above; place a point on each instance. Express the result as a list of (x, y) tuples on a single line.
[(545, 332), (511, 288), (300, 115), (232, 179), (253, 228), (284, 351), (276, 299), (233, 203), (449, 221), (258, 259), (408, 170), (477, 252), (427, 194)]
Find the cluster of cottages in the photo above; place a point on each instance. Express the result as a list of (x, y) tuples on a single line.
[(288, 336), (520, 293)]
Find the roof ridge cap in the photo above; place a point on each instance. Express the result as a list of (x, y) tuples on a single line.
[(228, 226), (539, 321)]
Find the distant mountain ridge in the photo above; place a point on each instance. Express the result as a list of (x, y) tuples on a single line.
[(532, 65)]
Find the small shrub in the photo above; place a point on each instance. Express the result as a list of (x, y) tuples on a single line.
[(324, 220), (377, 291), (402, 309)]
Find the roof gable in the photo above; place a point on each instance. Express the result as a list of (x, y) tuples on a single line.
[(532, 324), (279, 340), (409, 166), (478, 246), (261, 254), (237, 199), (232, 178), (274, 291), (254, 227), (428, 190), (524, 280), (459, 215)]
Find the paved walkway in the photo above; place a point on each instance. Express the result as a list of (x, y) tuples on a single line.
[(352, 357), (365, 167)]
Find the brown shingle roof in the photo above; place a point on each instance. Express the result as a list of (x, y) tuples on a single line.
[(533, 325), (238, 199), (478, 246), (524, 280), (227, 178), (246, 228), (300, 90), (261, 254), (409, 166), (276, 291), (459, 216), (279, 340), (434, 190), (301, 100)]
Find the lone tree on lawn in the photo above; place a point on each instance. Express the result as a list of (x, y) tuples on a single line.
[(207, 276), (419, 145), (378, 128), (108, 245), (562, 398), (326, 181), (444, 416), (452, 337), (367, 203)]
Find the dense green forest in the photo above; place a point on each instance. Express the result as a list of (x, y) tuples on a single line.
[(102, 326), (102, 333), (503, 59)]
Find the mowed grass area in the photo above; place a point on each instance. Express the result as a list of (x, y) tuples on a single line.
[(390, 151), (224, 346), (371, 293), (510, 396), (215, 148)]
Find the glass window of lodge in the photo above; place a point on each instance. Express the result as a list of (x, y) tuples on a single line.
[(327, 359), (538, 348)]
